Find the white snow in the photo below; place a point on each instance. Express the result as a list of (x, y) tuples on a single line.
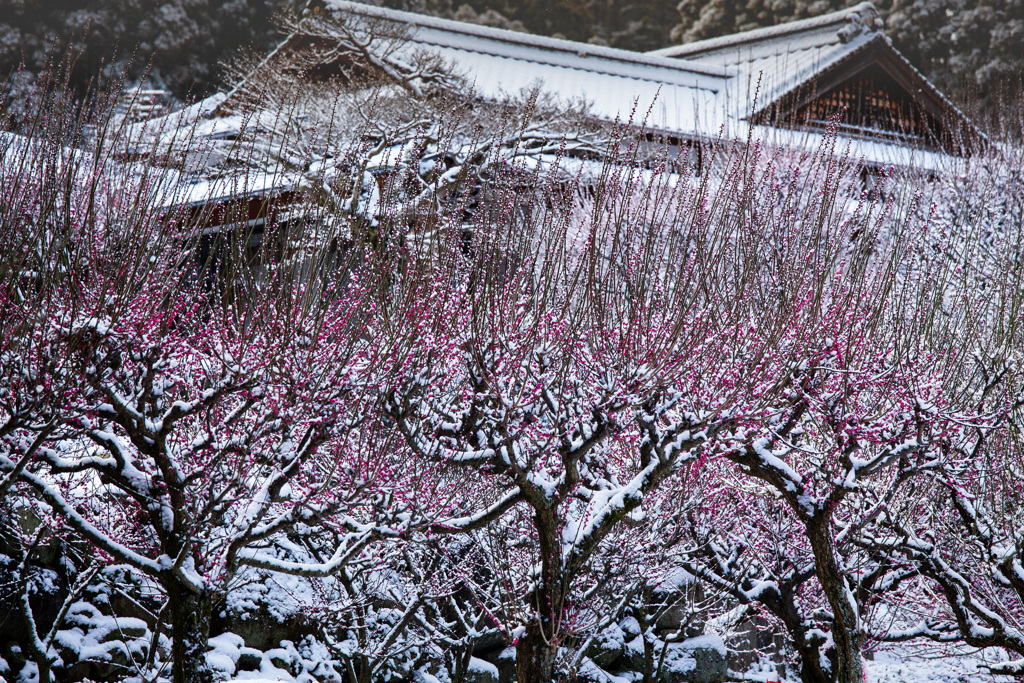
[(224, 652), (900, 666), (481, 666), (708, 641)]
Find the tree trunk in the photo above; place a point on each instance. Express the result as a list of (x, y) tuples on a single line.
[(811, 670), (846, 623), (536, 649), (190, 634), (44, 669), (781, 602), (649, 667), (535, 658)]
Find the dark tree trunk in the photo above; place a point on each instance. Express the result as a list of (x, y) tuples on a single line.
[(44, 669), (536, 649), (534, 657), (190, 634), (811, 670), (650, 668), (782, 604), (845, 624)]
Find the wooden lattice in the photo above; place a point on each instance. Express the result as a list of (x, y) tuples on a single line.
[(872, 103)]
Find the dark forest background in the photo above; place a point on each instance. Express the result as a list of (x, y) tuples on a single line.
[(973, 50)]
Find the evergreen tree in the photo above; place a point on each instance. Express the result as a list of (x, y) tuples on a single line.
[(707, 19), (633, 25), (973, 50), (179, 43)]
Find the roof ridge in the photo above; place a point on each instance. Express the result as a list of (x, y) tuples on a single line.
[(525, 39), (606, 72), (862, 17)]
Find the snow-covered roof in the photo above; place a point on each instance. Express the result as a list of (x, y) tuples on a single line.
[(684, 97), (694, 90), (778, 61), (789, 53), (525, 46), (198, 192)]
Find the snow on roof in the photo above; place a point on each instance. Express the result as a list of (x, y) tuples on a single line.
[(697, 90), (21, 154), (871, 151), (775, 60), (178, 121), (505, 43), (683, 96), (196, 192), (827, 31)]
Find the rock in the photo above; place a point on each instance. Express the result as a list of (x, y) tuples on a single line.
[(480, 671), (590, 672), (695, 660), (263, 631), (631, 627), (81, 671), (123, 606), (280, 659), (47, 597), (249, 661), (491, 641), (507, 665), (680, 617), (114, 665), (633, 655), (127, 629), (607, 647), (752, 637), (14, 656)]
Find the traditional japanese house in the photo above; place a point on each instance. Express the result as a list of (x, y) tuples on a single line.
[(834, 75), (836, 70)]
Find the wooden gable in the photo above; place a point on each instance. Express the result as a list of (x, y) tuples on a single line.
[(872, 103), (876, 93)]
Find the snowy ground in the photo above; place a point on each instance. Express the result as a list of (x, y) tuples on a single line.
[(904, 667), (900, 666), (910, 665)]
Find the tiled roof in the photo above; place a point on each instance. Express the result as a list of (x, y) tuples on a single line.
[(825, 32), (773, 61), (684, 97), (512, 43), (696, 90)]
